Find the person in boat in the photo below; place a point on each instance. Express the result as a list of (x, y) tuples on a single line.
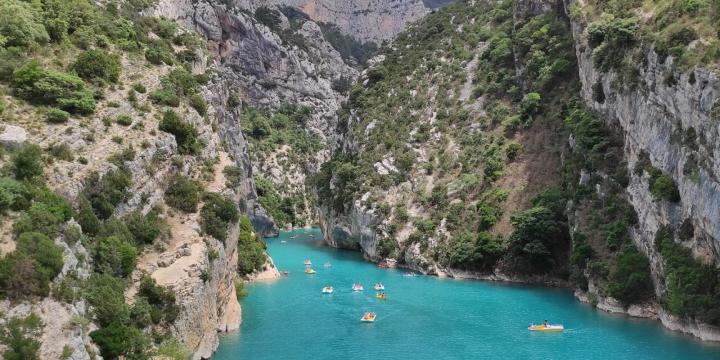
[(545, 323)]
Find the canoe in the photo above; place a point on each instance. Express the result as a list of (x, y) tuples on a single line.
[(328, 290), (310, 271)]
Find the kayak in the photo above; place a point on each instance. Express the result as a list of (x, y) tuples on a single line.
[(328, 290), (381, 296), (379, 287), (328, 264), (357, 287), (546, 328), (308, 262), (368, 317), (310, 271)]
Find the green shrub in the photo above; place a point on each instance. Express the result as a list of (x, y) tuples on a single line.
[(161, 299), (663, 187), (479, 252), (105, 293), (233, 176), (124, 119), (251, 249), (140, 88), (512, 150), (61, 152), (117, 339), (14, 195), (692, 288), (114, 255), (198, 103), (105, 192), (86, 217), (166, 97), (27, 162), (20, 335), (21, 25), (160, 52), (96, 65), (610, 37), (144, 228), (630, 282), (268, 17), (29, 269), (47, 255), (57, 116), (537, 241), (530, 104), (183, 194), (240, 290), (41, 86), (281, 209), (216, 214), (185, 134)]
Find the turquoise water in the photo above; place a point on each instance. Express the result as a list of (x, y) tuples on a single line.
[(427, 318)]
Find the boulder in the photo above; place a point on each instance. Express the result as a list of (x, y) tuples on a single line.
[(11, 136)]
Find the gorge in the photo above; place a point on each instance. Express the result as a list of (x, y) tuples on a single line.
[(149, 145)]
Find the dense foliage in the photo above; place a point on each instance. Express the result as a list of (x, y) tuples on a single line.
[(692, 288), (251, 248), (216, 214)]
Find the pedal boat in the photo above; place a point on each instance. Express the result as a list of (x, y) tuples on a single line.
[(546, 328), (357, 287), (368, 317)]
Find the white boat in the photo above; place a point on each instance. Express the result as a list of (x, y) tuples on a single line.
[(308, 262), (328, 290), (357, 287), (379, 286)]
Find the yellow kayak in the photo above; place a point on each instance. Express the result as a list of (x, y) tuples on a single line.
[(381, 296), (546, 328)]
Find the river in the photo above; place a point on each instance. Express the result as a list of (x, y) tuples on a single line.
[(427, 318)]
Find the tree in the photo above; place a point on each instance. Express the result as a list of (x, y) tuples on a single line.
[(19, 336), (20, 25), (97, 65), (216, 214), (27, 162), (47, 255), (185, 134), (114, 255), (183, 194), (117, 339), (538, 237)]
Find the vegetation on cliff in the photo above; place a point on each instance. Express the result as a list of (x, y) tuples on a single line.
[(69, 68)]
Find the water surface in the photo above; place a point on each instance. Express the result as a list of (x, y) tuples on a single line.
[(427, 318)]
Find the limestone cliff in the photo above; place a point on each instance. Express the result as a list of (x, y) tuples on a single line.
[(670, 123), (367, 20)]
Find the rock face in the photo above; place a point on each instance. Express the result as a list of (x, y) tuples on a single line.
[(265, 71), (11, 136), (366, 20), (653, 118)]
